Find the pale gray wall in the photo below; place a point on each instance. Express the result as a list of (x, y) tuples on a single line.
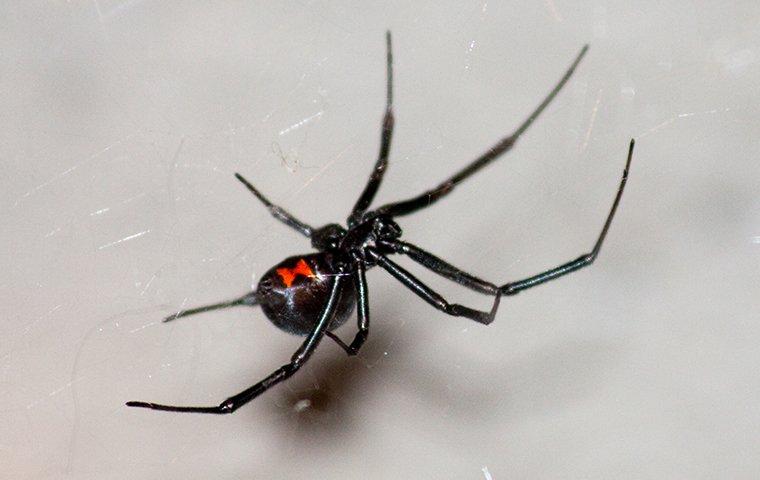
[(123, 122)]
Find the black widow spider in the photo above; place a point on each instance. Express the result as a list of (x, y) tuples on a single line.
[(312, 294)]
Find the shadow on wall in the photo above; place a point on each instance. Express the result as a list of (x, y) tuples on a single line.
[(328, 399)]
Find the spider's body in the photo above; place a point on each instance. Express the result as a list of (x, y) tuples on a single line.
[(292, 293), (312, 294)]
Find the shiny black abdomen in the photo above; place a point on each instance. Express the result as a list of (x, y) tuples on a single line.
[(294, 292)]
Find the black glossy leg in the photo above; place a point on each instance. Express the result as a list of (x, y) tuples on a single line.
[(277, 212), (296, 361), (362, 300), (431, 196), (430, 296), (472, 282), (376, 177), (340, 342), (249, 299), (442, 267), (582, 261)]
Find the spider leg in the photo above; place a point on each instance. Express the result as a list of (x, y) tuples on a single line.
[(472, 282), (423, 200), (340, 342), (296, 361), (441, 267), (248, 299), (430, 296), (584, 260), (362, 300), (376, 177), (278, 212)]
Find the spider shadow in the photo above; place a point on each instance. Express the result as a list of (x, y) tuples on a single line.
[(327, 401), (544, 382), (324, 401)]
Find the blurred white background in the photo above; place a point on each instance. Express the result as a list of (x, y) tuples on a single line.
[(122, 123)]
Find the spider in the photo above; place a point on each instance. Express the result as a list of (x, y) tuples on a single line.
[(312, 294)]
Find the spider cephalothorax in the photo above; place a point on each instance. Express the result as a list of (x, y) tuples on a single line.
[(314, 293), (328, 237)]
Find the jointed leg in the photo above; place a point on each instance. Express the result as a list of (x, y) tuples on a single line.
[(582, 261), (362, 300), (431, 196), (340, 342), (442, 267), (277, 212), (296, 361), (248, 299), (376, 177), (433, 298), (472, 282)]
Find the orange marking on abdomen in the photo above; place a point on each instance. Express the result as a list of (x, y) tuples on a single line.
[(289, 274)]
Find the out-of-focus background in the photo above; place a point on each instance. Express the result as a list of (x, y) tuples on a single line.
[(122, 123)]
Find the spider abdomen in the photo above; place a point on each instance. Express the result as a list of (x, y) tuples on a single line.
[(294, 292)]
